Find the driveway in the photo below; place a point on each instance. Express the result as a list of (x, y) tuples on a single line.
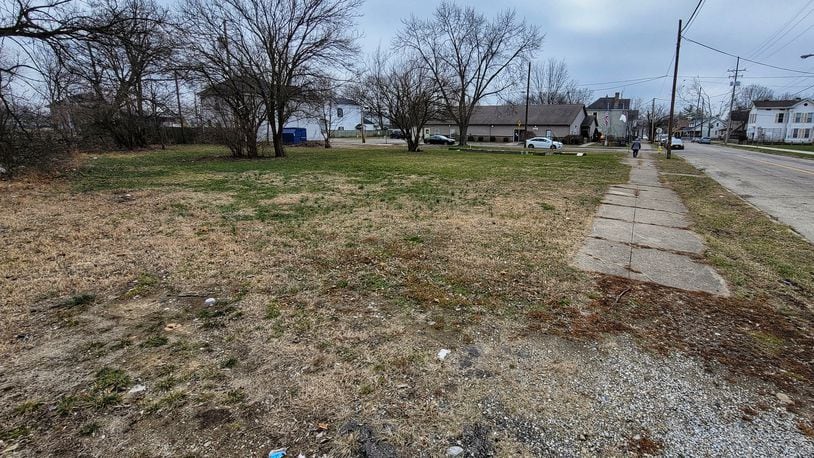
[(781, 186)]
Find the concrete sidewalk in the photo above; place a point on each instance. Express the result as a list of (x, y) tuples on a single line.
[(640, 233)]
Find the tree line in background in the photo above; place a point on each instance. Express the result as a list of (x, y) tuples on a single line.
[(109, 73)]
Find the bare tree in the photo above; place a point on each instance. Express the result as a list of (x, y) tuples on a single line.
[(653, 114), (551, 83), (117, 66), (467, 54), (321, 105), (280, 45), (748, 94), (403, 91), (43, 20)]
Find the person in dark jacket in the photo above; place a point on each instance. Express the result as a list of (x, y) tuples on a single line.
[(636, 146)]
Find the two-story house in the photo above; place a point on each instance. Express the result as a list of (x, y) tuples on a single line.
[(789, 121), (614, 116)]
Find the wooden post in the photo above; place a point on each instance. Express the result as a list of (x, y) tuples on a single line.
[(673, 95), (732, 101)]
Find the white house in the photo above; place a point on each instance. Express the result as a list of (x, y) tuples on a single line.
[(712, 127), (789, 121), (343, 115)]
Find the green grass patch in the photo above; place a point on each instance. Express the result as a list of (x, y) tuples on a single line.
[(272, 310), (78, 300), (155, 341), (110, 379), (171, 401), (27, 407), (144, 284), (756, 254), (767, 150), (384, 177)]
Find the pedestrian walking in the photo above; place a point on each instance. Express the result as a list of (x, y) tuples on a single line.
[(636, 146)]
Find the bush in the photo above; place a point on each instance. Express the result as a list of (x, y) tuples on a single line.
[(36, 150)]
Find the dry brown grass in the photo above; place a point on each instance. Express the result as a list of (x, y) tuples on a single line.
[(365, 285)]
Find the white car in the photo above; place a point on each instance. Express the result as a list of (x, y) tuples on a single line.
[(543, 142)]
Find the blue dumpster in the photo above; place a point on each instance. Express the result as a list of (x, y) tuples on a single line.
[(294, 135)]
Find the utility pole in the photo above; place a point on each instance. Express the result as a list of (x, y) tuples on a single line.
[(732, 100), (653, 120), (673, 95), (526, 122)]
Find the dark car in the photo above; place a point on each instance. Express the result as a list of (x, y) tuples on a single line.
[(439, 140), (395, 133), (705, 140)]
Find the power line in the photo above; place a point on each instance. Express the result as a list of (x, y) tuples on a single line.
[(800, 92), (771, 38), (776, 50), (694, 12), (624, 81), (632, 84), (786, 31), (747, 60)]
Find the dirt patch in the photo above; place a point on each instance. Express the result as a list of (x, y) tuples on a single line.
[(748, 336)]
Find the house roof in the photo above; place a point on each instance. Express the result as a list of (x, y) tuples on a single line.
[(776, 103), (613, 103), (589, 121), (546, 115), (345, 101)]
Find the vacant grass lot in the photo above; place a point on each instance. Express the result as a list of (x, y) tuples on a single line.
[(338, 276)]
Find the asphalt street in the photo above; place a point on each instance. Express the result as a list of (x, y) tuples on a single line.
[(781, 186)]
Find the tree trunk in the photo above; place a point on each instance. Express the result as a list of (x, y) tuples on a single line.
[(462, 131), (412, 143), (277, 132), (251, 142), (277, 140)]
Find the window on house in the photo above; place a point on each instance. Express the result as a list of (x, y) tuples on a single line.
[(808, 117), (780, 117), (340, 127), (794, 133), (752, 118), (340, 112), (806, 133)]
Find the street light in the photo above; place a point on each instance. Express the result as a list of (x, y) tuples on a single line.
[(806, 56)]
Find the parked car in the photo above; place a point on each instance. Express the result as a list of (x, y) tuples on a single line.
[(439, 140), (675, 143), (705, 140), (543, 142), (396, 133)]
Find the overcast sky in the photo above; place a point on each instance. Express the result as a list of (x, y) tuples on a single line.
[(613, 40)]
